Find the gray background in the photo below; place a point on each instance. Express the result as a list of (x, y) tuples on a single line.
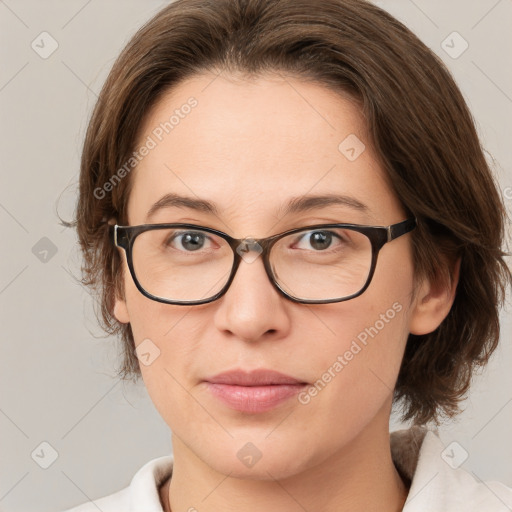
[(56, 375)]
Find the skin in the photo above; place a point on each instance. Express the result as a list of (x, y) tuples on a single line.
[(248, 146)]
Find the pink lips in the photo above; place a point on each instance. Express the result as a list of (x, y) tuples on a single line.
[(252, 392)]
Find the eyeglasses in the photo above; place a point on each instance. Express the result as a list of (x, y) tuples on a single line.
[(185, 264)]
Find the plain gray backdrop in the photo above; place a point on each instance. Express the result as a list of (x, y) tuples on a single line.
[(56, 375)]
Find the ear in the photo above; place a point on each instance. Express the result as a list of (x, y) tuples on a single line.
[(121, 311), (433, 302)]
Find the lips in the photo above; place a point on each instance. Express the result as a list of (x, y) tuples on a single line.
[(253, 392), (260, 377)]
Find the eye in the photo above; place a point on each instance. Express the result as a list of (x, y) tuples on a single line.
[(320, 240), (189, 240)]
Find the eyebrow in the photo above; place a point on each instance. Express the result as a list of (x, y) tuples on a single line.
[(313, 202), (294, 205)]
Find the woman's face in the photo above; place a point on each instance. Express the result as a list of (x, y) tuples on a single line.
[(249, 147)]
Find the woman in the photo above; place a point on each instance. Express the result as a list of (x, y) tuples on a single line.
[(286, 211)]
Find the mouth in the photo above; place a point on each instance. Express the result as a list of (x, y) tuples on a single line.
[(253, 392)]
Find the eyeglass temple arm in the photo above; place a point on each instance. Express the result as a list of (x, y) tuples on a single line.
[(112, 233), (401, 228)]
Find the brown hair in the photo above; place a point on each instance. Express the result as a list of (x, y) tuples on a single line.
[(418, 124)]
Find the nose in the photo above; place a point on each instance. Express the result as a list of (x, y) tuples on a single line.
[(252, 308)]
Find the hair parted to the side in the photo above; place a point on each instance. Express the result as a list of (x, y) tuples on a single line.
[(418, 124)]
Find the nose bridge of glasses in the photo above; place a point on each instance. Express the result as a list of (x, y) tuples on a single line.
[(249, 248)]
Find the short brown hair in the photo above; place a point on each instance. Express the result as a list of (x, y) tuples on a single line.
[(418, 124)]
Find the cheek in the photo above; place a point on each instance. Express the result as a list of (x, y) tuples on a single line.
[(166, 340), (359, 362), (362, 362), (148, 318)]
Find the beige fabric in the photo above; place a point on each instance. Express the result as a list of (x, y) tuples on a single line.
[(405, 450)]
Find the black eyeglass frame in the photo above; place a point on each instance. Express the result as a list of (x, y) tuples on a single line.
[(124, 237)]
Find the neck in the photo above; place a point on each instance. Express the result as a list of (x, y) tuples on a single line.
[(358, 478)]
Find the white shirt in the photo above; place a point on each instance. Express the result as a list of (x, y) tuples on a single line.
[(437, 484)]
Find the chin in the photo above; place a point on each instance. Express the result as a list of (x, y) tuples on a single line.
[(272, 468)]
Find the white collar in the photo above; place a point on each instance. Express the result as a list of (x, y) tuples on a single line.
[(438, 484)]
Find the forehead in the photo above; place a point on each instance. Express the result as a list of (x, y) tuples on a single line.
[(251, 145)]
